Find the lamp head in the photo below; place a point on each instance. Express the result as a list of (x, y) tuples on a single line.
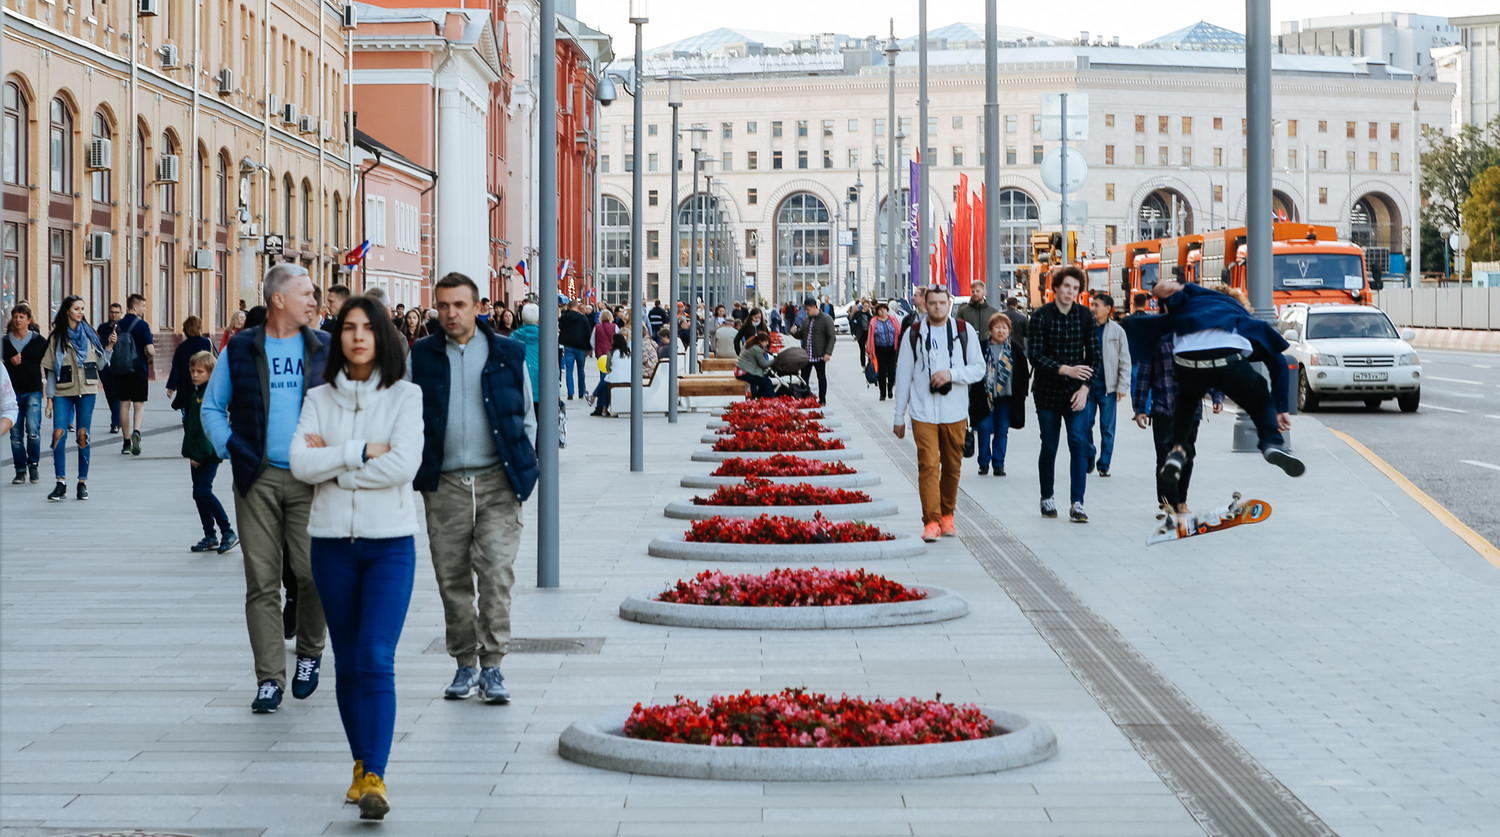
[(638, 12), (697, 142), (674, 88)]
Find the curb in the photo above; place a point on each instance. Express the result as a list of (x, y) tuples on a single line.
[(859, 480), (688, 510), (940, 605), (708, 455), (673, 546), (826, 422), (710, 438), (600, 742)]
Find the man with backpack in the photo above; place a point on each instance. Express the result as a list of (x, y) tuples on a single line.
[(130, 365), (936, 360)]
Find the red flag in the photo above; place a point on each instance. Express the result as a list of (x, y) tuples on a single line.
[(962, 231), (981, 265)]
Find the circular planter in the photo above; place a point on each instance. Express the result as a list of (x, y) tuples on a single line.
[(940, 605), (826, 422), (688, 510), (709, 455), (859, 480), (674, 546), (600, 742), (710, 438)]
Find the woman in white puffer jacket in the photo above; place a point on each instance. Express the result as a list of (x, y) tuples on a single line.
[(358, 444)]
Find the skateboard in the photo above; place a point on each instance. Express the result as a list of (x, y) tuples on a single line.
[(1239, 512)]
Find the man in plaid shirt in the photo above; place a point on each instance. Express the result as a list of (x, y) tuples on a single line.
[(1064, 352), (1153, 395)]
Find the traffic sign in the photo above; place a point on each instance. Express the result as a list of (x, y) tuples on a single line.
[(1052, 169), (1078, 117), (1050, 214), (272, 245)]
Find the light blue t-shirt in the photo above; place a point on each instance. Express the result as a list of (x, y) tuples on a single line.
[(284, 362)]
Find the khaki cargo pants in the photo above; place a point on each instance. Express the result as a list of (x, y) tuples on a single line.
[(474, 531), (272, 518)]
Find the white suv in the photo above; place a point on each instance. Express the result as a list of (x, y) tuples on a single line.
[(1350, 353)]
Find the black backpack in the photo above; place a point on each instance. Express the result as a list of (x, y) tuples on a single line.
[(913, 331)]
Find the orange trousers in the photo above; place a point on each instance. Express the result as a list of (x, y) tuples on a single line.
[(940, 455)]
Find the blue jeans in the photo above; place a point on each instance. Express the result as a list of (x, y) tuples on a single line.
[(994, 432), (365, 585), (210, 510), (574, 357), (601, 395), (66, 412), (760, 386), (26, 435), (1104, 404), (1050, 423)]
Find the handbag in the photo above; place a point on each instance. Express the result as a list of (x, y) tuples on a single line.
[(971, 443), (871, 376)]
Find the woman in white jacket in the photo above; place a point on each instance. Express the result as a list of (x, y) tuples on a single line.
[(358, 444)]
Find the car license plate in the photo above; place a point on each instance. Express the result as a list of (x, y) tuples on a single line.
[(1370, 376)]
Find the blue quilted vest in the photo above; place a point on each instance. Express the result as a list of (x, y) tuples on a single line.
[(501, 382), (250, 391)]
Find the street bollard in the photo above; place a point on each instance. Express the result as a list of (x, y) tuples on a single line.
[(1245, 438)]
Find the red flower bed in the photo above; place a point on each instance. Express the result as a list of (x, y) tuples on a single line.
[(785, 422), (798, 718), (772, 440), (789, 588), (778, 403), (755, 491), (782, 530), (780, 465)]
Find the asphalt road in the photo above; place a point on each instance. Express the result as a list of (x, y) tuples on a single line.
[(1450, 448)]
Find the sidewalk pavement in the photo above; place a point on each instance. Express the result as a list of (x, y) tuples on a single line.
[(1346, 646)]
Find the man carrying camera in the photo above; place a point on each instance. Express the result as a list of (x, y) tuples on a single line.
[(936, 360)]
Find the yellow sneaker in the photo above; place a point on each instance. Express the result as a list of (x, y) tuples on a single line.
[(352, 797), (373, 803)]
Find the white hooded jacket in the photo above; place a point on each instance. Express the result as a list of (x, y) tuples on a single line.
[(353, 497)]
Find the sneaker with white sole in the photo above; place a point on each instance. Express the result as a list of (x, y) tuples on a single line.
[(1283, 459), (1049, 507), (305, 681), (267, 698), (465, 684), (1077, 515), (494, 685)]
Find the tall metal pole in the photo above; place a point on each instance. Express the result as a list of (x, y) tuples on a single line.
[(692, 301), (923, 236), (893, 167), (674, 99), (637, 252), (1258, 146), (880, 260), (547, 389), (1063, 176), (991, 146), (708, 253), (900, 202), (1414, 270)]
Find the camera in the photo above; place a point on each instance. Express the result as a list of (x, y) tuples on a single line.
[(942, 390)]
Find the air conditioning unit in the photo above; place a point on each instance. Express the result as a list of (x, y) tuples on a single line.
[(289, 113), (327, 127), (99, 247), (273, 103), (226, 81), (201, 260), (307, 124), (147, 8), (100, 152), (351, 16), (168, 56), (166, 169)]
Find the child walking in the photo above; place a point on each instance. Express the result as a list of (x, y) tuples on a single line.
[(204, 461)]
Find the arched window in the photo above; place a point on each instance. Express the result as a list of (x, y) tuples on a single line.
[(101, 187), (200, 182), (307, 211), (60, 147), (1362, 223), (168, 187), (143, 173), (1164, 213), (1018, 220), (338, 220), (803, 236), (221, 188), (614, 250), (288, 200), (17, 148)]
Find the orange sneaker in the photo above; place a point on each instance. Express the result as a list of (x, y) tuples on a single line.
[(949, 530), (352, 797), (373, 802), (931, 532)]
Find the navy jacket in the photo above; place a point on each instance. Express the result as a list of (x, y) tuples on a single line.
[(250, 392), (1196, 308), (501, 382)]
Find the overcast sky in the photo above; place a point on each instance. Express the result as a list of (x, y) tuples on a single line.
[(1133, 22)]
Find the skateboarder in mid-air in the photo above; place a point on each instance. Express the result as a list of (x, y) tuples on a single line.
[(1216, 339)]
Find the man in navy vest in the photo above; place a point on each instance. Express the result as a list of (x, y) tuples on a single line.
[(250, 412), (478, 465)]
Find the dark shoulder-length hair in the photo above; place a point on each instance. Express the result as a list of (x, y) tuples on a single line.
[(390, 346)]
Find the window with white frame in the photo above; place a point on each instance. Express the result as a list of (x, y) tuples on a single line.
[(408, 234), (375, 220)]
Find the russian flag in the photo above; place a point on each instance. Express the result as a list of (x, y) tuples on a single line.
[(521, 269), (357, 255)]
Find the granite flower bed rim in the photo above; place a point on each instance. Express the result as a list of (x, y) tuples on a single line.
[(940, 605), (600, 742), (710, 438), (676, 547), (709, 455), (860, 479), (688, 510)]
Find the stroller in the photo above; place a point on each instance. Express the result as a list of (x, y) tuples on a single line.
[(786, 373)]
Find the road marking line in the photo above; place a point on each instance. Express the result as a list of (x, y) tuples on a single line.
[(1497, 418), (1485, 549), (1454, 394), (1454, 380), (1481, 366), (1476, 463), (1443, 409)]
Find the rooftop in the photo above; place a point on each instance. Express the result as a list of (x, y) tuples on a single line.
[(1201, 36)]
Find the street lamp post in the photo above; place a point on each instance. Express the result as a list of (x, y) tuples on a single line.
[(637, 252), (547, 389), (674, 101), (692, 296), (855, 243), (892, 160), (880, 261), (897, 205), (708, 236), (991, 144), (921, 196)]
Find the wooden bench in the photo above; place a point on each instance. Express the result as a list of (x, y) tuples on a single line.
[(710, 384), (718, 364)]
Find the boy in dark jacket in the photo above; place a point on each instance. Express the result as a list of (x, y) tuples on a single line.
[(204, 461)]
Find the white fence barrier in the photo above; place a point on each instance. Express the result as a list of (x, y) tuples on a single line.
[(1433, 307)]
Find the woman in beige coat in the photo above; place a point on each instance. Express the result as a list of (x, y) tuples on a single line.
[(71, 364)]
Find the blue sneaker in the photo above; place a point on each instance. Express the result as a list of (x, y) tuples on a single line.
[(494, 685), (305, 681), (267, 698), (465, 684)]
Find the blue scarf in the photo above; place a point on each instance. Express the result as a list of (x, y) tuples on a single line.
[(79, 337)]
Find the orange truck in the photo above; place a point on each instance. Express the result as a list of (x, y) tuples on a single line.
[(1308, 264), (1134, 268)]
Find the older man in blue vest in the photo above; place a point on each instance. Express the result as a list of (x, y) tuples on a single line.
[(478, 465), (250, 412)]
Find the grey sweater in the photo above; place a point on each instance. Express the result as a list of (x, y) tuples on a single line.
[(468, 444)]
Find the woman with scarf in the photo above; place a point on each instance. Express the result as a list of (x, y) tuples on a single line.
[(755, 323), (989, 400), (880, 346), (71, 364)]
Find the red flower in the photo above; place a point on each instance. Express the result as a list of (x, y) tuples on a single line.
[(782, 530), (755, 491), (780, 465), (776, 441), (789, 588), (798, 718)]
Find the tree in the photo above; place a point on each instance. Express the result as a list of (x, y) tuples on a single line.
[(1451, 164), (1482, 216), (1432, 248)]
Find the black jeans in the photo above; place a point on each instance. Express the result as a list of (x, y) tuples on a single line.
[(760, 386), (859, 340), (1161, 434), (1239, 381), (885, 366), (822, 369)]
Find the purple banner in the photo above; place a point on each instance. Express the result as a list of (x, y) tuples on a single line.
[(913, 217), (951, 269)]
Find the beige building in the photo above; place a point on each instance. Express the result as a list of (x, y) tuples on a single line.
[(153, 146)]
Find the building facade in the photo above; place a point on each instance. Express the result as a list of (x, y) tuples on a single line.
[(1472, 66), (1166, 153), (161, 148), (393, 191), (1397, 38)]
